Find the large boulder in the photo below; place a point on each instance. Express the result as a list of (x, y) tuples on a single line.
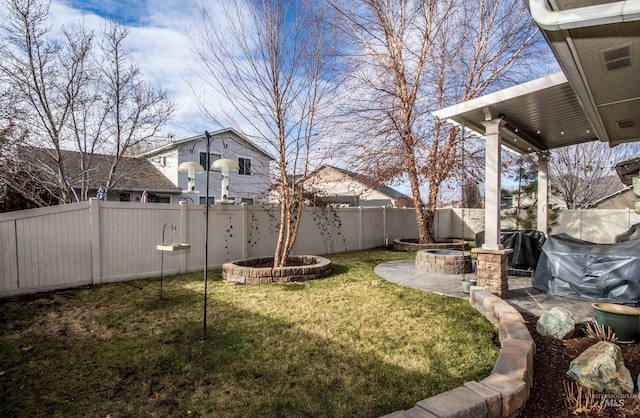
[(601, 368), (557, 323)]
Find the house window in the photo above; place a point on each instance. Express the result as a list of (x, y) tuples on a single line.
[(245, 166), (125, 197), (203, 160), (246, 201), (212, 200)]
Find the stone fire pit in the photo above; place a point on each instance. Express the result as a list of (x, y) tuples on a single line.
[(443, 261), (251, 271)]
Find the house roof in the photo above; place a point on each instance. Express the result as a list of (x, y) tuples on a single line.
[(628, 169), (622, 199), (366, 180), (134, 174), (596, 97), (176, 143)]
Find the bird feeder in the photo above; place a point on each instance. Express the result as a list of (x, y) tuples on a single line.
[(224, 165), (191, 168)]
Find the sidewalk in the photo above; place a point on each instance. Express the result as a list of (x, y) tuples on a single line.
[(521, 294)]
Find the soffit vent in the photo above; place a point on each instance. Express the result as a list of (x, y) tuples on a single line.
[(626, 124), (616, 58)]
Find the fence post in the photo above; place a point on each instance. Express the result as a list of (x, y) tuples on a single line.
[(245, 234), (94, 221), (184, 225), (384, 226), (580, 223), (359, 227)]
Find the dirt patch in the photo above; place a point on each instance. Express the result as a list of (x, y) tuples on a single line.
[(551, 363)]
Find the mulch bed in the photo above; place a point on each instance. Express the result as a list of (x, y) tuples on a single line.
[(551, 363)]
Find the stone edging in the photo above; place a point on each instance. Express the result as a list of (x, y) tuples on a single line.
[(506, 391), (242, 272)]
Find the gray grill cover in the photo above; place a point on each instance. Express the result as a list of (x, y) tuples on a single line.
[(584, 270)]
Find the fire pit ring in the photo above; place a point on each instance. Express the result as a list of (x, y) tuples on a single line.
[(443, 261)]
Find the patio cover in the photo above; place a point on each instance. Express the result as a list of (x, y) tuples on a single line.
[(538, 115), (597, 96), (531, 117)]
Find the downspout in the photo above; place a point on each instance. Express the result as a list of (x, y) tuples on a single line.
[(580, 17)]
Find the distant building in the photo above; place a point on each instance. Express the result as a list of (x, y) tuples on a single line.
[(132, 178), (249, 184), (153, 176), (332, 185)]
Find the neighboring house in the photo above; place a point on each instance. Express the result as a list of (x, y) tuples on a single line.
[(249, 184), (622, 199), (132, 178), (328, 184)]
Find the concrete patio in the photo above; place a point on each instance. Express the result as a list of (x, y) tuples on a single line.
[(522, 295)]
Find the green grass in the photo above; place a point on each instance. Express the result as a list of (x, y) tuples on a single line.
[(348, 345)]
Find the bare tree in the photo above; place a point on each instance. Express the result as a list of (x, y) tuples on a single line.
[(132, 112), (71, 96), (46, 77), (582, 174), (411, 57), (268, 63)]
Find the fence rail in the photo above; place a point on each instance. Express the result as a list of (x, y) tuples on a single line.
[(100, 242)]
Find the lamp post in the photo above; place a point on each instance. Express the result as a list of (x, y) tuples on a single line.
[(193, 167)]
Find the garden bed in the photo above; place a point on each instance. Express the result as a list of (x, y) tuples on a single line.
[(261, 270)]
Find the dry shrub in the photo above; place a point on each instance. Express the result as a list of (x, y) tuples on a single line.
[(581, 400), (597, 332)]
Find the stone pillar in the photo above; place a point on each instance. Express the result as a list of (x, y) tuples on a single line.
[(543, 193), (493, 167), (492, 270)]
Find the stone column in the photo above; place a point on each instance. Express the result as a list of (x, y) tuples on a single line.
[(492, 270)]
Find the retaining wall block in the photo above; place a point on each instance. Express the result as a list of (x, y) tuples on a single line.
[(491, 397), (509, 328), (460, 402)]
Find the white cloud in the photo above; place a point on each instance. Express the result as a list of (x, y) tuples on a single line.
[(158, 45)]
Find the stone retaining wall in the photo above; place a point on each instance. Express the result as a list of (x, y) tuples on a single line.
[(245, 272), (506, 390)]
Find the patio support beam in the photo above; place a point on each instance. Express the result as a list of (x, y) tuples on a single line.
[(543, 192), (493, 165)]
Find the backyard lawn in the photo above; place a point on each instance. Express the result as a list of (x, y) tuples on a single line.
[(347, 345)]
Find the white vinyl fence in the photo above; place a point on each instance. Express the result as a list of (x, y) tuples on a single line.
[(595, 225), (100, 242)]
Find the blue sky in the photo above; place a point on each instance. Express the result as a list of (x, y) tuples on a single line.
[(157, 43), (132, 13)]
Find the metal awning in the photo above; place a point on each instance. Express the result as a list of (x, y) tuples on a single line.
[(540, 115)]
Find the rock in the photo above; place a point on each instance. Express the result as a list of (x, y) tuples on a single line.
[(601, 368), (557, 323)]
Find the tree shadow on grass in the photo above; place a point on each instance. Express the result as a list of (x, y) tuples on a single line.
[(250, 365)]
